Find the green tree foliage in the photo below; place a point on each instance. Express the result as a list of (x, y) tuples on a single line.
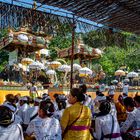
[(119, 49), (63, 39), (3, 54), (3, 59), (57, 43), (3, 33), (104, 37), (112, 59)]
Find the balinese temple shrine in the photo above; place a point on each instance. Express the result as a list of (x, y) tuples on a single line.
[(82, 52), (24, 40)]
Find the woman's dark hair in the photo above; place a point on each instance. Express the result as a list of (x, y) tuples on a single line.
[(76, 92), (16, 98), (5, 116), (98, 92), (47, 107), (108, 98), (120, 99), (105, 108), (128, 101), (55, 95), (137, 99), (83, 88), (29, 100), (61, 97), (61, 105), (10, 98)]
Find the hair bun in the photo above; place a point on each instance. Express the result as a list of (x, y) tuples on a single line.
[(47, 107)]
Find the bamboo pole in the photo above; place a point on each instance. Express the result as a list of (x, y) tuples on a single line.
[(72, 55)]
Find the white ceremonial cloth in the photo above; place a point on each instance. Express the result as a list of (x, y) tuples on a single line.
[(12, 132), (111, 90), (89, 103), (45, 129), (18, 119), (125, 89), (22, 110), (58, 114), (103, 124), (133, 121), (30, 113)]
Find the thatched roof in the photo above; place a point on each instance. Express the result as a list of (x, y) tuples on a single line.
[(16, 16), (120, 14)]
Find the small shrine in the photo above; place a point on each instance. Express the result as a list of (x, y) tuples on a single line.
[(81, 52)]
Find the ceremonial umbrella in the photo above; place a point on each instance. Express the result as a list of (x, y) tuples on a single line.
[(27, 61), (76, 67), (44, 52), (115, 81), (132, 74), (52, 74), (36, 65), (85, 70), (55, 64), (126, 80), (66, 69), (119, 73)]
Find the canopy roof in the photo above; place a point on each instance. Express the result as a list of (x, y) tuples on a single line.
[(81, 51), (120, 14)]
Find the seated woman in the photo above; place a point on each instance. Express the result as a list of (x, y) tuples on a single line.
[(45, 127), (8, 129), (76, 119), (106, 125), (131, 127)]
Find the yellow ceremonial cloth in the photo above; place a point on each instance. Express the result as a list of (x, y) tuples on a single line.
[(121, 112), (70, 114)]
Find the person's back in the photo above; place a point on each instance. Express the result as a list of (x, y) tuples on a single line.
[(125, 89), (102, 88), (106, 125), (8, 129), (33, 91), (44, 126), (71, 113), (31, 112), (45, 129), (111, 90), (133, 121), (76, 119), (12, 132)]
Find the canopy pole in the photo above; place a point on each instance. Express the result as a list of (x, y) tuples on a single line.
[(72, 53)]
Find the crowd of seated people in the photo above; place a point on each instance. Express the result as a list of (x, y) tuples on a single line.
[(70, 117)]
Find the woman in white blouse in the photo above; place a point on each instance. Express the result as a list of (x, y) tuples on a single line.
[(106, 125), (45, 127)]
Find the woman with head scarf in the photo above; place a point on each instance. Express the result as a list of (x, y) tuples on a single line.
[(45, 127), (76, 119), (8, 129), (106, 125)]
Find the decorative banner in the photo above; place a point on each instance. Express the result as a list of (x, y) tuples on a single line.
[(13, 57)]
